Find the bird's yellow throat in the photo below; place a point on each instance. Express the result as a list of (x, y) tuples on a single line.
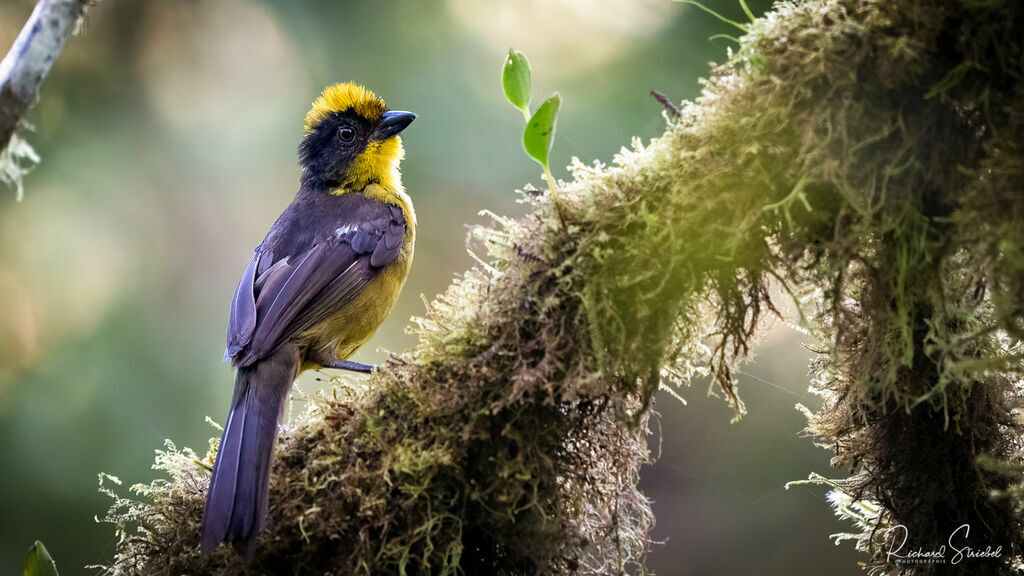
[(378, 163)]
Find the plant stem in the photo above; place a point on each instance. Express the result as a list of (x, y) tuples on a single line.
[(554, 194)]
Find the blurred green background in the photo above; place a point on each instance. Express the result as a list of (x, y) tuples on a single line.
[(168, 134)]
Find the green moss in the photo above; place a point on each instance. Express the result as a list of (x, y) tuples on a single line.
[(863, 156)]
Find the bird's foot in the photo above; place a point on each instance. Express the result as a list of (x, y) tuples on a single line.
[(352, 366)]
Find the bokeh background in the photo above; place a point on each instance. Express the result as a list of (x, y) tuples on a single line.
[(168, 133)]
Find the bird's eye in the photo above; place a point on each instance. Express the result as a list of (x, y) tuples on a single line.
[(346, 134)]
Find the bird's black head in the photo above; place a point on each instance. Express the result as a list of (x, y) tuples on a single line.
[(352, 139)]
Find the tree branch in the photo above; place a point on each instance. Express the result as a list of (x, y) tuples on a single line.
[(22, 73), (851, 151), (28, 62)]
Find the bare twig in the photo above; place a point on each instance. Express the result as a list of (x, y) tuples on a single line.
[(23, 69), (670, 107)]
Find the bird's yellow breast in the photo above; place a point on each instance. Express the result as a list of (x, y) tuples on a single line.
[(356, 321)]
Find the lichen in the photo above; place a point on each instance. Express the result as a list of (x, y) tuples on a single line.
[(864, 157), (17, 159)]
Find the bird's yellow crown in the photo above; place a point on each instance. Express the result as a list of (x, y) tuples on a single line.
[(345, 96)]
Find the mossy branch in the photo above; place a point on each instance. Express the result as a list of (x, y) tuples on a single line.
[(22, 73), (866, 156)]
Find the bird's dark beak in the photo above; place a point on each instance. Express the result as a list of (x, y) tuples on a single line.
[(392, 123)]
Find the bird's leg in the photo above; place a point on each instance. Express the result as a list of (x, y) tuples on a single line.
[(351, 366)]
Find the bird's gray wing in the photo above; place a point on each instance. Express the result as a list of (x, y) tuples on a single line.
[(298, 292), (242, 319)]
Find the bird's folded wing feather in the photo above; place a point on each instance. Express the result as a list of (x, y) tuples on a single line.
[(242, 320), (296, 292)]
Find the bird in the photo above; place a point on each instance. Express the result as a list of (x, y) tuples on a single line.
[(316, 289)]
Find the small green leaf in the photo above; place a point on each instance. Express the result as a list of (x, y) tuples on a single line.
[(540, 130), (515, 79), (38, 561)]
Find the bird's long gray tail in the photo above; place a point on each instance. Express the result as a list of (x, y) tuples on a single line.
[(236, 504)]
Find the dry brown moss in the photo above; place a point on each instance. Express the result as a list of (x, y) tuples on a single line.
[(864, 155)]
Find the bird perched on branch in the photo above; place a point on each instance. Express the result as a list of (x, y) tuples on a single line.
[(316, 289)]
